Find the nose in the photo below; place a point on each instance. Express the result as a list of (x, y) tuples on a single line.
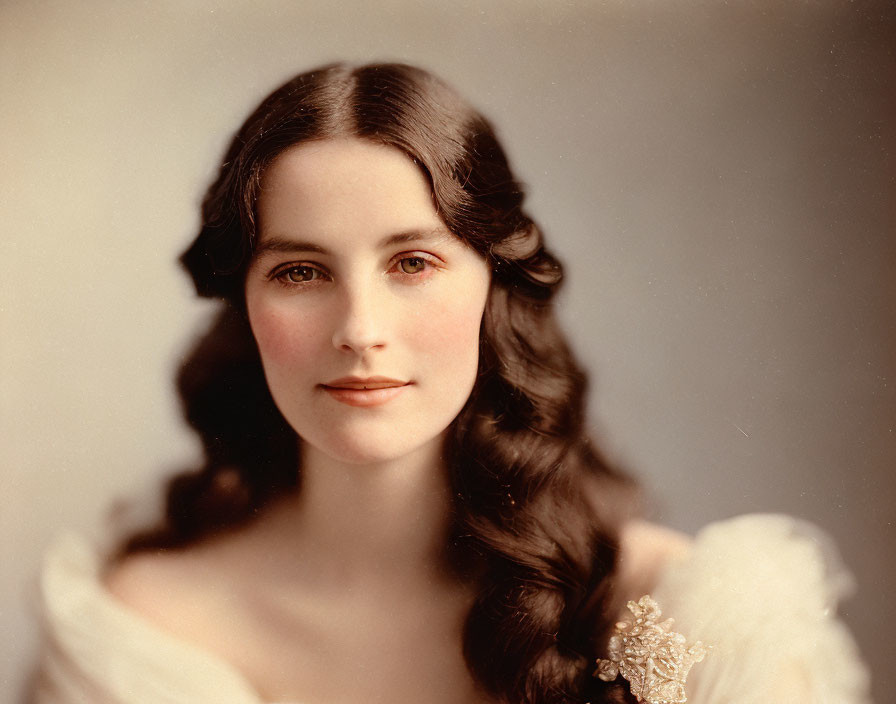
[(360, 324)]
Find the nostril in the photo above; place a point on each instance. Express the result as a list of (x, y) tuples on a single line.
[(356, 340)]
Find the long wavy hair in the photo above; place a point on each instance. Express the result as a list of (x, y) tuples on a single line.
[(533, 518)]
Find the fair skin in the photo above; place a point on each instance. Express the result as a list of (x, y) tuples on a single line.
[(366, 311)]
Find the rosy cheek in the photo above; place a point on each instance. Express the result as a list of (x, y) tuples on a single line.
[(281, 335), (451, 331)]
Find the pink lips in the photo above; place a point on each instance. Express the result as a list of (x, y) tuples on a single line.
[(370, 391)]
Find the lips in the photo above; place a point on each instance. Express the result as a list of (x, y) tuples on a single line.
[(363, 392), (373, 382)]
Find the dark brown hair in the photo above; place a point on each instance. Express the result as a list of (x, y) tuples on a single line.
[(530, 489)]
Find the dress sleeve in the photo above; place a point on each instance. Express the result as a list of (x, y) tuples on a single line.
[(761, 591), (97, 651)]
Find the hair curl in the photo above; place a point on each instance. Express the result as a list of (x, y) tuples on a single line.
[(525, 474)]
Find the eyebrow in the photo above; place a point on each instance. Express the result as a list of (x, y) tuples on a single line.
[(277, 244)]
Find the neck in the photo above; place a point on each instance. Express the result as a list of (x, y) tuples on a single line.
[(354, 520)]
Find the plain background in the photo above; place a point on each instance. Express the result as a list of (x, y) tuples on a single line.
[(718, 178)]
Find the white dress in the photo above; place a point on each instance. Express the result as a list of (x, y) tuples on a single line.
[(761, 590)]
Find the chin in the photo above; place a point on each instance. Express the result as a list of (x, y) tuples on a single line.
[(372, 448)]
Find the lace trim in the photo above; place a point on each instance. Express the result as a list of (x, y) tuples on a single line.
[(650, 655)]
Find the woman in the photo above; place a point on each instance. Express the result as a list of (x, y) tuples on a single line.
[(399, 500)]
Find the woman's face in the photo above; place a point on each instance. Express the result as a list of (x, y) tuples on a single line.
[(365, 308)]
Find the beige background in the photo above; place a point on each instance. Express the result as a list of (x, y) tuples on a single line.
[(718, 177)]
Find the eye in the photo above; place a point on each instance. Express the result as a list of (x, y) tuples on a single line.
[(412, 265), (298, 274)]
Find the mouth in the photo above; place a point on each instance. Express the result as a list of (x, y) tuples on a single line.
[(369, 383), (372, 391)]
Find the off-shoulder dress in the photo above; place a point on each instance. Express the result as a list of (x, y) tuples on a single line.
[(761, 590)]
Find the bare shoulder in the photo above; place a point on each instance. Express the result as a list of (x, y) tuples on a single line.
[(173, 590), (147, 581), (645, 550), (655, 540)]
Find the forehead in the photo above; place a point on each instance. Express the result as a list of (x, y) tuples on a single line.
[(344, 188)]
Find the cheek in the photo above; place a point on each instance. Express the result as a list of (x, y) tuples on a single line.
[(281, 337), (450, 334)]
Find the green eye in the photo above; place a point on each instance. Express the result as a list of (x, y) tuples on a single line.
[(412, 265)]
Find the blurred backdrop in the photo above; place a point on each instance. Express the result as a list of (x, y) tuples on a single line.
[(718, 178)]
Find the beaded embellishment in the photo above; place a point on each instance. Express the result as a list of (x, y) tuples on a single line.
[(650, 655)]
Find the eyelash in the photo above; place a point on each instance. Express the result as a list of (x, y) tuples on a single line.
[(281, 274)]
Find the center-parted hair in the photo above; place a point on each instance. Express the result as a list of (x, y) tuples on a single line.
[(533, 522)]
